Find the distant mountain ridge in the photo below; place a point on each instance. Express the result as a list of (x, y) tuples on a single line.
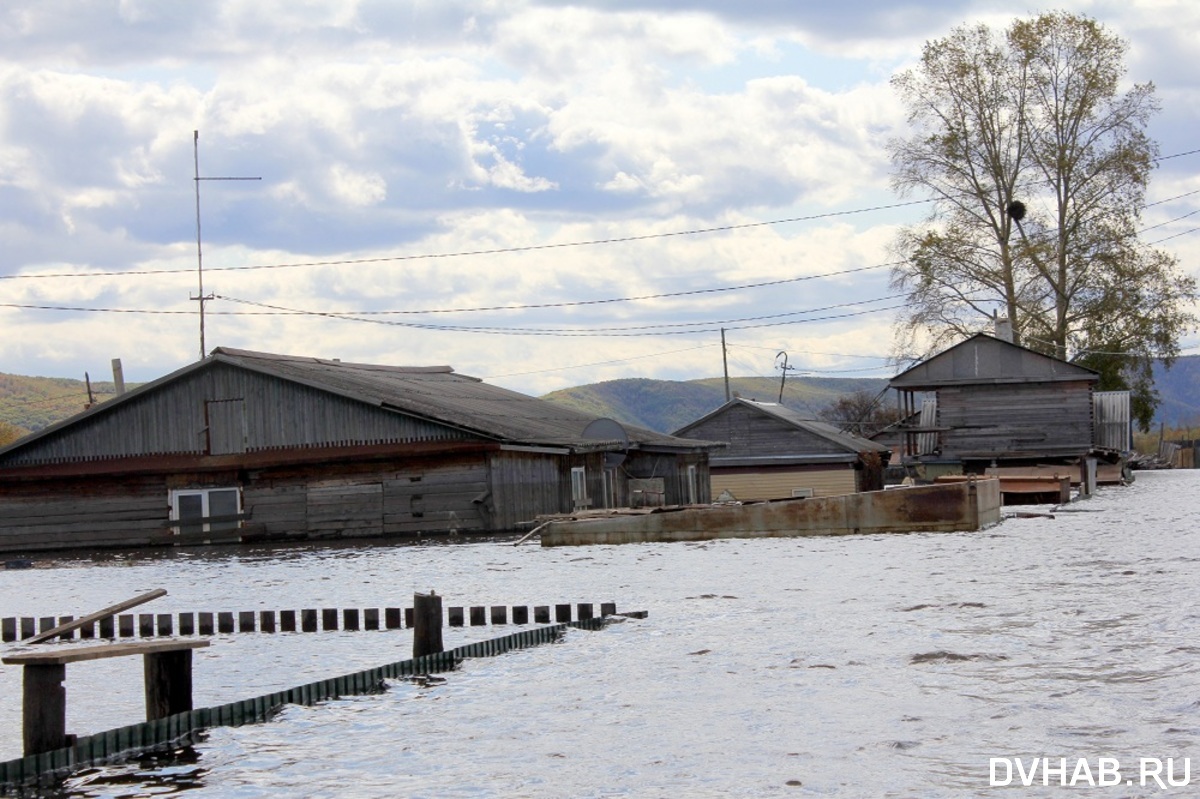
[(32, 403), (667, 405)]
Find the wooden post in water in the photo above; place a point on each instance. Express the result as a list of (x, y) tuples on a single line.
[(44, 707), (427, 624), (168, 683)]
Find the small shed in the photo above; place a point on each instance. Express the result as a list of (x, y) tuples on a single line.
[(986, 402), (251, 446), (776, 453)]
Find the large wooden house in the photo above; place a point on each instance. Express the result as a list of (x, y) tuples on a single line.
[(254, 446), (986, 403), (776, 453)]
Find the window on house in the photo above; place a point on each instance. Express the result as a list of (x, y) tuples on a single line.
[(196, 505), (579, 495), (693, 493)]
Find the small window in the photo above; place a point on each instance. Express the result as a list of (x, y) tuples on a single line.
[(579, 495), (201, 505)]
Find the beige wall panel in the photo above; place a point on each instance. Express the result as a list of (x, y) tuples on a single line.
[(779, 485)]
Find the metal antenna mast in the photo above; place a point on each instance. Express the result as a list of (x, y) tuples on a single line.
[(202, 297)]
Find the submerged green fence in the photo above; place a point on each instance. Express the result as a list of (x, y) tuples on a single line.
[(123, 742)]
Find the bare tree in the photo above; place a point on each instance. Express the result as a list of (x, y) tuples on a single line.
[(1038, 165)]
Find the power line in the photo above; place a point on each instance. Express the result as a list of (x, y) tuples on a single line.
[(532, 306), (565, 333), (492, 251)]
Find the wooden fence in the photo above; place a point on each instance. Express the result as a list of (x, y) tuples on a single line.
[(308, 620), (28, 773)]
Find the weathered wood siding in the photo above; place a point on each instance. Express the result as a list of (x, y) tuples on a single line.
[(82, 513), (224, 410), (750, 433), (526, 484), (777, 483), (390, 497), (1023, 419), (673, 468)]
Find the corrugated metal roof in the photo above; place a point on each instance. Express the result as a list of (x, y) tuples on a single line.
[(982, 359), (438, 393), (847, 441)]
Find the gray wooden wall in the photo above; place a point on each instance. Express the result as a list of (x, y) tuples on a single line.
[(1016, 420)]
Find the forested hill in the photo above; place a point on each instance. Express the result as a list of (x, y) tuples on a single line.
[(31, 403), (667, 405)]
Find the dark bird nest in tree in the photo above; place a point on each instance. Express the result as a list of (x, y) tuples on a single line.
[(1016, 210)]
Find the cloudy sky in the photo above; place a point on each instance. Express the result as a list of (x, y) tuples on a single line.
[(537, 193)]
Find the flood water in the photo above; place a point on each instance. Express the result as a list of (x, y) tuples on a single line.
[(864, 666)]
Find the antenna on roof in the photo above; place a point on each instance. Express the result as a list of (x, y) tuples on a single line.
[(201, 296)]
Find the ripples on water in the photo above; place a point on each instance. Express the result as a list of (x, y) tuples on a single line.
[(869, 666)]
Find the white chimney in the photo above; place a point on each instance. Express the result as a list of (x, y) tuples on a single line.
[(1003, 328)]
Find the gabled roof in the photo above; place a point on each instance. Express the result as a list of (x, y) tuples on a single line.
[(432, 393), (847, 441), (984, 360)]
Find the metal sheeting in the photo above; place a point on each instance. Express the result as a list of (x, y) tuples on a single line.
[(1112, 420)]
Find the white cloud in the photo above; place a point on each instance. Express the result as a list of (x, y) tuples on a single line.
[(383, 130)]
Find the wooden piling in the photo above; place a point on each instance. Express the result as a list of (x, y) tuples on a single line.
[(329, 620), (350, 619), (187, 624), (168, 679), (287, 621), (584, 609), (391, 618), (65, 622), (499, 614), (225, 622), (478, 616), (520, 614), (562, 613), (245, 621), (44, 707), (427, 624), (206, 623), (266, 621), (165, 623), (308, 620), (541, 614), (456, 616), (125, 625), (8, 632), (371, 619)]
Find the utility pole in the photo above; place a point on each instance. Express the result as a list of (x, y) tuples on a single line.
[(784, 369), (201, 297), (725, 363)]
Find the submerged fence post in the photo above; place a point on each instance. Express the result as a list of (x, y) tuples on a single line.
[(427, 624)]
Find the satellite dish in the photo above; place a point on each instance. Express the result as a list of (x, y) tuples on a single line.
[(605, 429)]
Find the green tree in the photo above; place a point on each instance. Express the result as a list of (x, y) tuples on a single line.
[(1037, 164)]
